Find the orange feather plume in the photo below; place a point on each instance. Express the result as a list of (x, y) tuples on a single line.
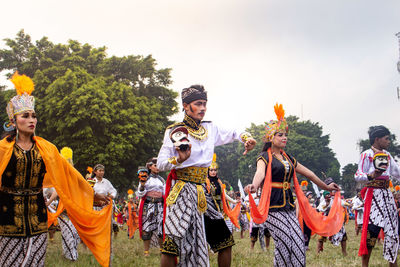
[(397, 187), (23, 84), (390, 184), (130, 192), (279, 111), (304, 183), (89, 169)]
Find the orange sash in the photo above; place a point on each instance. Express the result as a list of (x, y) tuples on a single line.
[(94, 227), (233, 214), (318, 223)]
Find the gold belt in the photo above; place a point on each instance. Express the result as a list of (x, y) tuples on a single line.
[(21, 191), (196, 175), (284, 185), (378, 183)]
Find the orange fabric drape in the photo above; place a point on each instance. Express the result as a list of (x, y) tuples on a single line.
[(132, 220), (260, 213), (94, 227), (233, 214), (52, 217), (318, 223)]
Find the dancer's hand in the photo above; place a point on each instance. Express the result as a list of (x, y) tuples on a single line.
[(249, 145), (100, 198), (333, 187), (183, 155), (250, 188)]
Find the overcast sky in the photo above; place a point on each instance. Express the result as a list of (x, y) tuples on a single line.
[(332, 62)]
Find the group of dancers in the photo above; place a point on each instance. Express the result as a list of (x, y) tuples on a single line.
[(191, 211)]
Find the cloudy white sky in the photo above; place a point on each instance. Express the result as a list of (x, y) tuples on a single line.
[(332, 62)]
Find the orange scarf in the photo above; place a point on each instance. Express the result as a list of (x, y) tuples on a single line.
[(94, 227), (132, 219), (234, 213), (318, 223)]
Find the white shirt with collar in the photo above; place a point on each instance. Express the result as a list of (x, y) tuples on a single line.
[(105, 187)]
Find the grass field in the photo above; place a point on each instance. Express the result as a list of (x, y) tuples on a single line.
[(130, 253)]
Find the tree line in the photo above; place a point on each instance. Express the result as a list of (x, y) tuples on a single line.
[(114, 110)]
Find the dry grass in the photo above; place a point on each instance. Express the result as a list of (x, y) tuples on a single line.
[(130, 253)]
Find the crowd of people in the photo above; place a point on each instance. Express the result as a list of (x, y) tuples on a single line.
[(191, 211)]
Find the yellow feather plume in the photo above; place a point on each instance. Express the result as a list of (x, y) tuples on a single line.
[(214, 158), (23, 84), (279, 111), (66, 152)]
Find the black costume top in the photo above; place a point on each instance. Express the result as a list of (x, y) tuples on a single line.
[(23, 212), (281, 198)]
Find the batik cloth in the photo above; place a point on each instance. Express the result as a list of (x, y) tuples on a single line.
[(340, 236), (218, 234), (23, 251), (288, 238), (70, 238), (244, 222), (184, 229), (152, 218), (384, 215)]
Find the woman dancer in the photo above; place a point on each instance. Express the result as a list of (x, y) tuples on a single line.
[(24, 161), (278, 169)]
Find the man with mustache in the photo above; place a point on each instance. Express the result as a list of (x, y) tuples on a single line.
[(186, 202)]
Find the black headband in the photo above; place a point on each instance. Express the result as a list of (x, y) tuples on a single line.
[(193, 93)]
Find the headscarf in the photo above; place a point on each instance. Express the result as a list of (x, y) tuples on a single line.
[(193, 93)]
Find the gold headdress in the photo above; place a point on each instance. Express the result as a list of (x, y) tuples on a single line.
[(214, 164), (280, 125), (23, 101)]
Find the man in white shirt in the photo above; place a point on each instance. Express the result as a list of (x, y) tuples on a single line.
[(186, 201)]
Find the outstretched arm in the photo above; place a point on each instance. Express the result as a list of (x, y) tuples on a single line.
[(303, 170), (258, 177)]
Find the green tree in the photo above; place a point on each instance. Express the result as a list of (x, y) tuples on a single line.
[(348, 183), (306, 143), (110, 110)]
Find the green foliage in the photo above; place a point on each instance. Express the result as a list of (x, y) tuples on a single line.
[(348, 183), (306, 143), (109, 110), (394, 148)]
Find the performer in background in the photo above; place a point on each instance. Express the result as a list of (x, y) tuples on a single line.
[(219, 217), (151, 191), (185, 196), (358, 207), (27, 164), (375, 167)]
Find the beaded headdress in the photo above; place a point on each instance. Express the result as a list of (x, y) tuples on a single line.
[(214, 164), (280, 125), (23, 101)]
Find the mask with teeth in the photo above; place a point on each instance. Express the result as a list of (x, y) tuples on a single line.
[(381, 161)]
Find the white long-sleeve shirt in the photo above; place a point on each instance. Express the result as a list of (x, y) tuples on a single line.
[(202, 150), (366, 166), (152, 184), (105, 187)]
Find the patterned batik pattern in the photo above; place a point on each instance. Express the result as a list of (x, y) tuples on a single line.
[(26, 251), (184, 228), (288, 238), (244, 222), (70, 238), (339, 237), (152, 218), (383, 214)]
